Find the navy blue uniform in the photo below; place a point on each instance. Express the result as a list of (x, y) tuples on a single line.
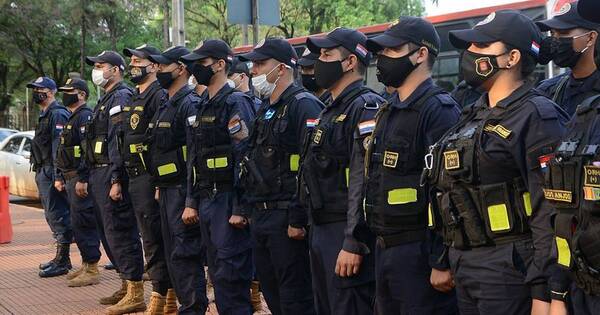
[(396, 206), (45, 143), (255, 100), (492, 212), (170, 137), (568, 92), (269, 180), (106, 166), (73, 169), (222, 125), (138, 114), (324, 178), (464, 94)]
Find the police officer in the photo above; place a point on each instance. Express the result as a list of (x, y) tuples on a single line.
[(307, 72), (326, 162), (239, 78), (487, 171), (73, 169), (170, 136), (146, 99), (411, 276), (269, 178), (572, 46), (51, 122), (221, 132), (108, 181)]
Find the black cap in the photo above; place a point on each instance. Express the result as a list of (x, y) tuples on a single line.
[(238, 66), (407, 29), (507, 26), (107, 56), (276, 48), (589, 10), (171, 55), (308, 58), (351, 39), (214, 48), (143, 51), (42, 82), (566, 18), (73, 84)]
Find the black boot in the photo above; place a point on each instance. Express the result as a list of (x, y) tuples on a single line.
[(47, 264), (61, 265)]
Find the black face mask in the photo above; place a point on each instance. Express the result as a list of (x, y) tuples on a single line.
[(564, 56), (309, 82), (69, 99), (138, 74), (478, 68), (327, 73), (165, 79), (39, 97), (203, 74), (394, 71)]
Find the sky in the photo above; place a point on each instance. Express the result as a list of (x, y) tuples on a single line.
[(447, 6)]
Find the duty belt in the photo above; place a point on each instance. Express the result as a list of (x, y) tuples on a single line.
[(69, 175), (100, 165), (389, 241), (272, 205)]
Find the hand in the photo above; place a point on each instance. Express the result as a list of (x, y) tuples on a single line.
[(348, 264), (81, 189), (296, 233), (157, 194), (115, 192), (190, 216), (558, 308), (441, 280), (238, 221), (59, 185), (539, 307)]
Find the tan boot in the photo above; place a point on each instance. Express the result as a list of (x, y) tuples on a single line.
[(210, 290), (255, 296), (171, 303), (74, 274), (156, 305), (132, 302), (115, 297), (89, 276)]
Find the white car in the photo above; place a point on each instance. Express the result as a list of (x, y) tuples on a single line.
[(15, 152)]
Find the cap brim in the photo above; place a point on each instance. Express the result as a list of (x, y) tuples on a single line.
[(589, 10), (554, 24), (92, 60), (254, 56), (305, 62), (66, 88), (35, 85), (462, 39), (314, 44), (382, 41), (160, 59), (132, 52), (192, 57)]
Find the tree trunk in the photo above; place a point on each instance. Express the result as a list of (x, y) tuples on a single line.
[(165, 23), (82, 40)]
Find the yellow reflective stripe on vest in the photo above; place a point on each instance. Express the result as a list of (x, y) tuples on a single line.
[(429, 216), (167, 169), (347, 177), (137, 148), (139, 108), (527, 203), (294, 162), (564, 252), (77, 151), (184, 151), (98, 147), (402, 195), (498, 215), (219, 162)]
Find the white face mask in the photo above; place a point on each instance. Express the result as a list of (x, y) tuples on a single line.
[(192, 82), (231, 83), (262, 86), (98, 78)]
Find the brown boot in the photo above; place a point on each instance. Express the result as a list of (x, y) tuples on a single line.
[(171, 303), (89, 276), (132, 302), (156, 305), (115, 297), (210, 290), (255, 296), (74, 274)]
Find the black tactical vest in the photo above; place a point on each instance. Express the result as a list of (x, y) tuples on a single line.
[(136, 121), (69, 152), (41, 148), (573, 187)]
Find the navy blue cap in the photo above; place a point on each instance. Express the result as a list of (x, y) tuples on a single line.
[(276, 48), (238, 66), (566, 18), (42, 82), (308, 58), (589, 10), (73, 84), (107, 56), (351, 39), (171, 55), (407, 29), (214, 48), (143, 51), (507, 26)]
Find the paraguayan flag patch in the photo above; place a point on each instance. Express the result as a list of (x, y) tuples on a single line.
[(366, 127)]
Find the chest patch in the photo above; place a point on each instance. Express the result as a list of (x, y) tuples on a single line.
[(134, 120), (451, 160), (390, 159)]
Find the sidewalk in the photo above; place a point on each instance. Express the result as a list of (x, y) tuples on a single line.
[(23, 292)]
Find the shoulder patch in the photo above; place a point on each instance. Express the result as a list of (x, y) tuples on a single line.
[(115, 110), (191, 120)]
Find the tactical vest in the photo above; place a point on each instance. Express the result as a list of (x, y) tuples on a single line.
[(68, 157), (393, 165), (325, 167), (270, 168), (41, 148), (214, 162), (477, 213), (573, 187), (136, 122)]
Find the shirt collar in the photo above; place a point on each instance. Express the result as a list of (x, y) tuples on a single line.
[(515, 96), (414, 96), (49, 108), (284, 96), (586, 83), (351, 87)]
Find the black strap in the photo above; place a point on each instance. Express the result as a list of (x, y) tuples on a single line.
[(561, 87)]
